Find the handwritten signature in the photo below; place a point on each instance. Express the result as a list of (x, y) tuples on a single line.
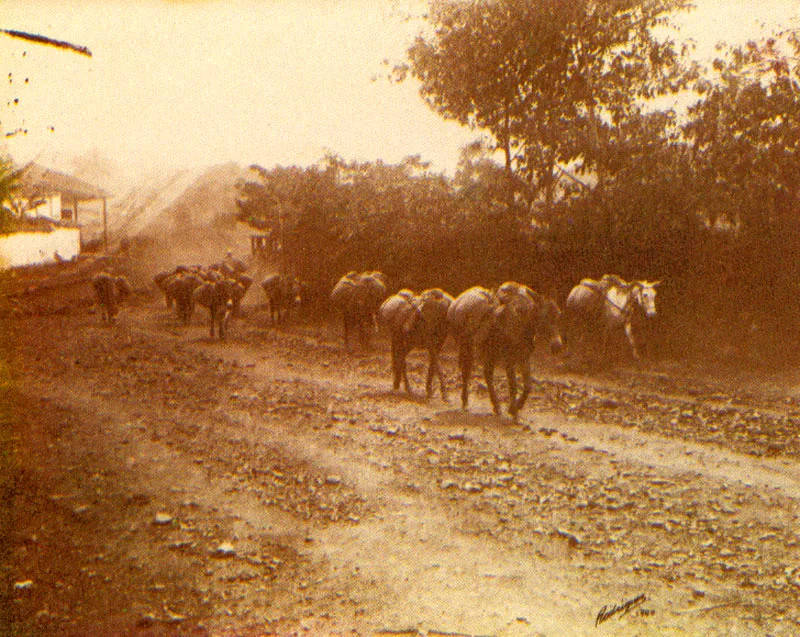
[(607, 612)]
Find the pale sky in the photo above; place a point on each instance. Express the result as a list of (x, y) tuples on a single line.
[(196, 83)]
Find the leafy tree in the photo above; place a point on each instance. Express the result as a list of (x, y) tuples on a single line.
[(481, 182), (8, 184), (399, 218), (550, 80), (745, 141), (745, 134)]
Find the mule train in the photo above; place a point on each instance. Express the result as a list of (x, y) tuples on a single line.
[(494, 326), (219, 287), (490, 327)]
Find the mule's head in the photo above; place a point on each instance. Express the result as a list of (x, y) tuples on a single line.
[(123, 287), (646, 297), (550, 325)]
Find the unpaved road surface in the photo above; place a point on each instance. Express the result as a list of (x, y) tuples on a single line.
[(157, 482)]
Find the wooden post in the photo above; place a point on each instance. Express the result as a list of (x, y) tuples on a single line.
[(105, 227), (282, 237)]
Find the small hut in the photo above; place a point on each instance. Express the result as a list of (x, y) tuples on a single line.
[(49, 226), (57, 196)]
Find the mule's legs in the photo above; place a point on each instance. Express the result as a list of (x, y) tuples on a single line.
[(488, 374), (363, 335), (404, 368), (396, 369), (631, 340), (577, 333), (465, 363), (526, 388), (604, 335), (511, 374), (434, 366), (112, 310), (399, 368), (228, 312)]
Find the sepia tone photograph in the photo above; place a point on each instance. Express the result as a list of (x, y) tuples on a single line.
[(458, 318)]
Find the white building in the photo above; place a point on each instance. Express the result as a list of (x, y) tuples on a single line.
[(50, 219)]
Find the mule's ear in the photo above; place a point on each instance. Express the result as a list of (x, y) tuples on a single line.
[(655, 283)]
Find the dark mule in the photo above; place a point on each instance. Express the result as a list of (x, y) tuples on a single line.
[(283, 294), (416, 322), (358, 296), (502, 326), (109, 292)]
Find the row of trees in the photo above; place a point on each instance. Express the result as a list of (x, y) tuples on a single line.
[(579, 170), (8, 183)]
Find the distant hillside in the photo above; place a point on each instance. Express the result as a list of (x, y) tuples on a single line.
[(208, 201), (188, 218), (143, 203)]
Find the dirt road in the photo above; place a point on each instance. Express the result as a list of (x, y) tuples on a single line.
[(158, 482)]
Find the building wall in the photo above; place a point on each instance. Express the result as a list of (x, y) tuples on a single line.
[(36, 248), (50, 208)]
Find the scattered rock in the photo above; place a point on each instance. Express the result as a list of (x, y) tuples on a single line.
[(24, 585), (793, 576), (174, 618), (163, 518), (573, 540), (225, 550), (146, 620)]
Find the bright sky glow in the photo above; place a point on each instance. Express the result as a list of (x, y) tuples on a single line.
[(191, 84)]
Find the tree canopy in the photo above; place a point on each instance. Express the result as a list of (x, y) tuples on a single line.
[(553, 82)]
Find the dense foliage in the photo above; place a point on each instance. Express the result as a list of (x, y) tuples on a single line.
[(8, 183), (593, 177)]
